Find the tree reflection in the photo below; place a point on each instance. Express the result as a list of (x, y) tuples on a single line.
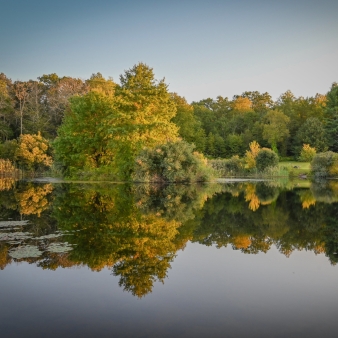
[(136, 230), (128, 232)]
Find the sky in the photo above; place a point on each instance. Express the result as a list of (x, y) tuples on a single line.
[(202, 48)]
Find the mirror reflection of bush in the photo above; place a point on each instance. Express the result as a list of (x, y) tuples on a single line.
[(112, 232), (136, 230)]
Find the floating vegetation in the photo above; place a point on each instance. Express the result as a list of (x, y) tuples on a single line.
[(27, 251), (48, 236), (6, 224), (59, 247), (10, 236)]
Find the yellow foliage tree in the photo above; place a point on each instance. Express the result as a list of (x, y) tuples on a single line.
[(242, 104), (307, 153), (32, 152), (250, 155), (33, 201)]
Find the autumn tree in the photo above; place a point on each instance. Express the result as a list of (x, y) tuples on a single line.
[(250, 155), (32, 152), (107, 128)]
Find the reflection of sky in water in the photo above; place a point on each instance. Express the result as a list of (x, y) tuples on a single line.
[(209, 292)]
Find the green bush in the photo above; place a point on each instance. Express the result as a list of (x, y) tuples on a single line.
[(266, 158), (171, 162), (325, 164), (231, 166), (8, 150)]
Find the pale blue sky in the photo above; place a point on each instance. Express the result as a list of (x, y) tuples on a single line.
[(202, 48)]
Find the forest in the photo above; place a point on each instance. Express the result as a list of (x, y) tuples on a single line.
[(100, 125)]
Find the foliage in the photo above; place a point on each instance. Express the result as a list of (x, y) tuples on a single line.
[(190, 129), (232, 166), (276, 127), (266, 158), (32, 152), (82, 142), (33, 200), (105, 129), (171, 162), (325, 164), (307, 153), (6, 167), (8, 150), (250, 155), (312, 132), (331, 117)]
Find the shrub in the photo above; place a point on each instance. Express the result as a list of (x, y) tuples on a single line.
[(171, 162), (266, 158), (325, 164), (32, 152), (307, 153), (231, 166)]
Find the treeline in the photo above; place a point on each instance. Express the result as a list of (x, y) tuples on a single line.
[(228, 126), (220, 127)]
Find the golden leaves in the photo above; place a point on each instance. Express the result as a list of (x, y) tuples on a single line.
[(34, 200), (32, 151)]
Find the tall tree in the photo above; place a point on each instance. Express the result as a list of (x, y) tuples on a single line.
[(190, 129), (142, 117), (312, 132), (276, 127), (331, 116)]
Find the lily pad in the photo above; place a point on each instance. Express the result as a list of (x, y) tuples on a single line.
[(59, 247), (49, 236), (27, 251), (6, 224), (10, 236)]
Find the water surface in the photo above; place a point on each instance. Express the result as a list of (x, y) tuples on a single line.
[(236, 260)]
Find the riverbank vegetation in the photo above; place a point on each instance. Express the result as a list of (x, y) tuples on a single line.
[(99, 129)]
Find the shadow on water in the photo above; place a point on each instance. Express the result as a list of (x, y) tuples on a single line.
[(136, 230)]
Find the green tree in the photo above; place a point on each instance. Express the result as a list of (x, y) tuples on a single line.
[(276, 127), (190, 128), (6, 108), (83, 138), (106, 128), (331, 117), (142, 117), (266, 158), (312, 132)]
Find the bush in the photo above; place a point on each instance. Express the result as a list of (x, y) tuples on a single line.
[(231, 166), (325, 164), (32, 152), (307, 153), (266, 158), (171, 162)]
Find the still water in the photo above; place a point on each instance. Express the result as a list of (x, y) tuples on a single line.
[(217, 260)]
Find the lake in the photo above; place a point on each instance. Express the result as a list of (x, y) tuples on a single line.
[(240, 259)]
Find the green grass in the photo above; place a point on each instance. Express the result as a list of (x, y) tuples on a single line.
[(296, 168)]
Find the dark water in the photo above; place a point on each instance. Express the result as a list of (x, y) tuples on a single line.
[(219, 260)]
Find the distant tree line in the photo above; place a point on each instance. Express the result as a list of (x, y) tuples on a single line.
[(120, 119)]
